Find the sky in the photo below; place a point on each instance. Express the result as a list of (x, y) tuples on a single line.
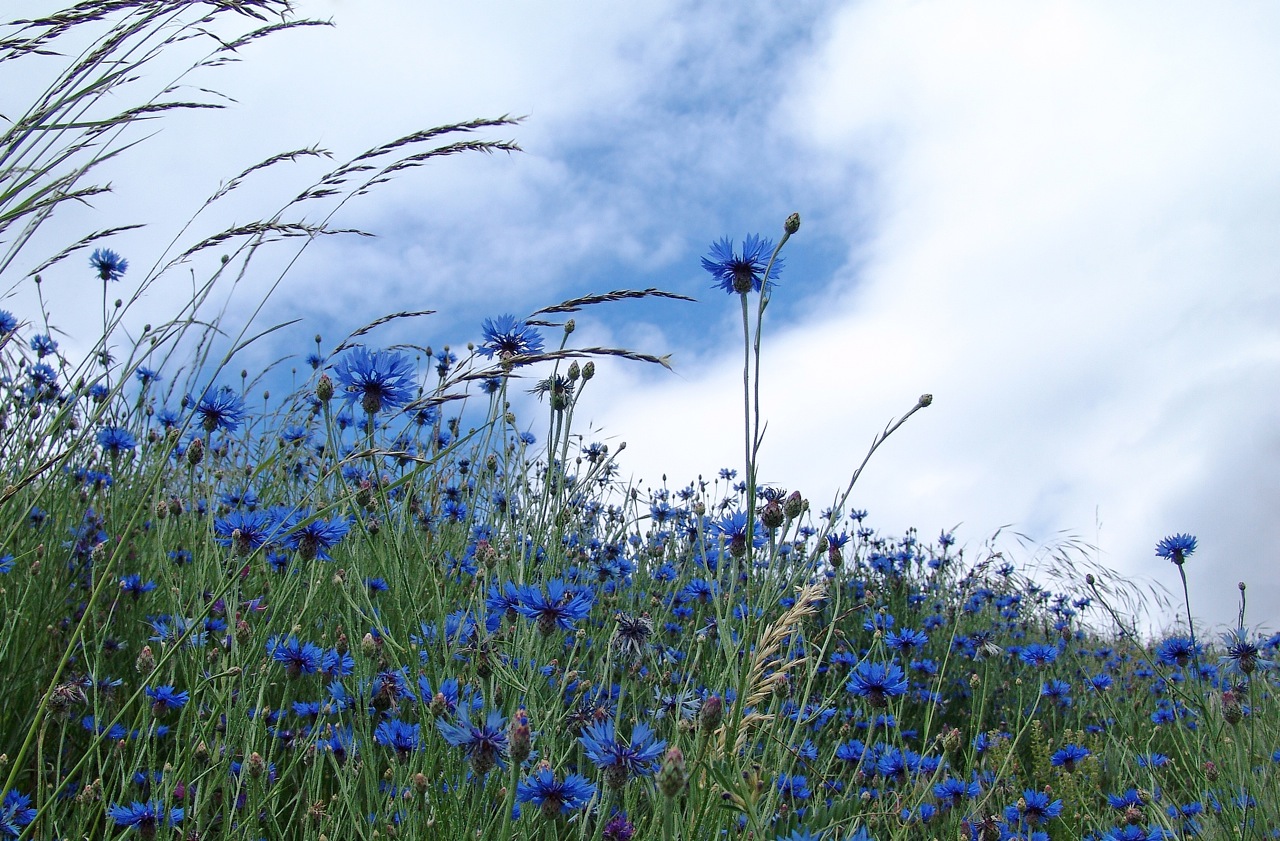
[(1059, 219)]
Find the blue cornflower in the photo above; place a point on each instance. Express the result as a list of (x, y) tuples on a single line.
[(1067, 757), (1243, 656), (485, 743), (6, 564), (146, 376), (559, 607), (314, 539), (620, 760), (220, 408), (877, 682), (135, 586), (1058, 691), (794, 787), (741, 273), (8, 322), (15, 813), (401, 736), (1034, 808), (803, 834), (165, 698), (115, 440), (507, 336), (1176, 651), (951, 791), (145, 817), (1038, 654), (1176, 548), (108, 264), (299, 658), (733, 529), (246, 531), (379, 380), (905, 640), (1136, 832), (44, 345), (555, 797)]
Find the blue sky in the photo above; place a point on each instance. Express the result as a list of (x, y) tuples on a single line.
[(1058, 218)]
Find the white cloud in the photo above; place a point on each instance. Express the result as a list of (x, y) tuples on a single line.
[(1068, 248)]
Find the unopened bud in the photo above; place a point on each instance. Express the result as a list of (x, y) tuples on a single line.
[(588, 370), (520, 738), (925, 399), (792, 224), (711, 714), (672, 776), (145, 662), (195, 451), (324, 388), (574, 371)]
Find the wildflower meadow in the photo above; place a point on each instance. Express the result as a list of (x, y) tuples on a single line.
[(397, 602)]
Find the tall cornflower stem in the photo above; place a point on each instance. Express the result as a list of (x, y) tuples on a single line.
[(751, 388), (1191, 625)]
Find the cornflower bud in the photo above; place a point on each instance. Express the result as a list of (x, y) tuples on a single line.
[(324, 389), (589, 370), (519, 738), (792, 224), (145, 662), (195, 452), (672, 776), (574, 371), (711, 714)]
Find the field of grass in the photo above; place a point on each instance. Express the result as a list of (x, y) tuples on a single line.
[(386, 605)]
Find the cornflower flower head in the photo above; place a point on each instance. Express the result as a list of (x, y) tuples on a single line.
[(1033, 808), (559, 607), (1243, 656), (314, 539), (905, 640), (877, 682), (220, 408), (144, 817), (115, 440), (559, 387), (618, 828), (743, 272), (401, 736), (733, 529), (506, 336), (621, 760), (380, 380), (631, 639), (8, 322), (1176, 651), (485, 744), (555, 797), (1067, 757), (299, 658), (1038, 654), (1176, 548), (108, 264), (165, 698), (247, 531), (44, 345), (15, 813), (803, 834)]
